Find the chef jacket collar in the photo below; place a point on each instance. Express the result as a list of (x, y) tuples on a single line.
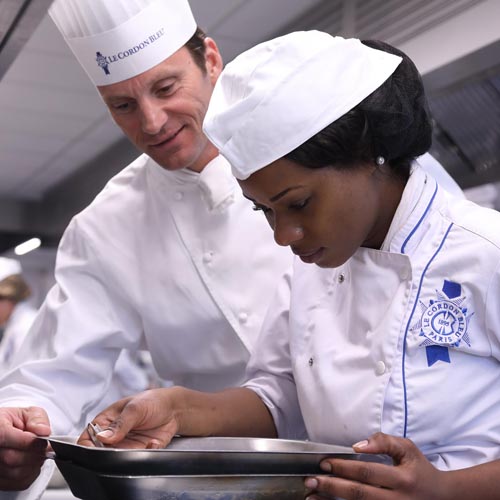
[(416, 202), (218, 189), (215, 181)]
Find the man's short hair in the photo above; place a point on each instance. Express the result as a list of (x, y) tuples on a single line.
[(196, 46)]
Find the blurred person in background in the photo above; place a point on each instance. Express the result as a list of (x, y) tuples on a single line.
[(16, 315)]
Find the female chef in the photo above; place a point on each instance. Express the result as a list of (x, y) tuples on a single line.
[(389, 324)]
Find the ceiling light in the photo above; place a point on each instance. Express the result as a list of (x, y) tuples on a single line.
[(27, 246)]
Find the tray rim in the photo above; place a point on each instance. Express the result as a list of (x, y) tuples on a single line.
[(170, 462), (323, 448)]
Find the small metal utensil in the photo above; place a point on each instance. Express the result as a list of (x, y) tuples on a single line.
[(93, 430)]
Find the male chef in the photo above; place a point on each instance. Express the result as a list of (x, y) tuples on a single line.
[(169, 257)]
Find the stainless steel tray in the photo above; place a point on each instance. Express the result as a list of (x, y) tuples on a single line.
[(91, 485), (208, 456)]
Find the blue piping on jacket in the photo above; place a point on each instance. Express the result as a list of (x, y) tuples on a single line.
[(410, 318)]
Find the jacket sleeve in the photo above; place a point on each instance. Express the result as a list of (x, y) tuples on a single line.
[(67, 360), (269, 371), (492, 308)]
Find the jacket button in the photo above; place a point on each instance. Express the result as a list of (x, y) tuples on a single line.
[(311, 361), (404, 274), (179, 195), (243, 317), (341, 278), (207, 257), (380, 368)]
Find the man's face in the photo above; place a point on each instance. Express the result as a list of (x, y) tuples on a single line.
[(161, 110)]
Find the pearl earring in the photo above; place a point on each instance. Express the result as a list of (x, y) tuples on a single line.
[(380, 160)]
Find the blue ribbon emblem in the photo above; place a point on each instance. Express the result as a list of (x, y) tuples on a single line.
[(444, 323)]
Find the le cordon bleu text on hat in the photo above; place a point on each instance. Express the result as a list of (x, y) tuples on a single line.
[(115, 40), (277, 95)]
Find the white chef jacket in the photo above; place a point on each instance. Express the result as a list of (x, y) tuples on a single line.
[(173, 262), (129, 375), (404, 340), (15, 331)]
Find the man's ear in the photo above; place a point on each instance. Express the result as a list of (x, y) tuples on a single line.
[(213, 59)]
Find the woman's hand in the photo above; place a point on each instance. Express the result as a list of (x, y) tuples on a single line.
[(412, 477), (152, 418), (146, 420)]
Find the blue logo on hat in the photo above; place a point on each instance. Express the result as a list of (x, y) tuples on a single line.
[(444, 323), (102, 62)]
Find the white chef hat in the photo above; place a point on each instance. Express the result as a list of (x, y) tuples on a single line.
[(278, 94), (9, 267), (117, 39)]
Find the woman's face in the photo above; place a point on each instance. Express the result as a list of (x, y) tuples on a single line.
[(324, 214)]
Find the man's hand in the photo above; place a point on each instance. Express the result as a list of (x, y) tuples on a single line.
[(412, 477), (21, 454)]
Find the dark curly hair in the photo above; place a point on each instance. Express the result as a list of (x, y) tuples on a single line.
[(393, 122)]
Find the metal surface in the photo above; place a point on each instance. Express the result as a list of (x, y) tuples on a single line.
[(90, 485), (208, 456)]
